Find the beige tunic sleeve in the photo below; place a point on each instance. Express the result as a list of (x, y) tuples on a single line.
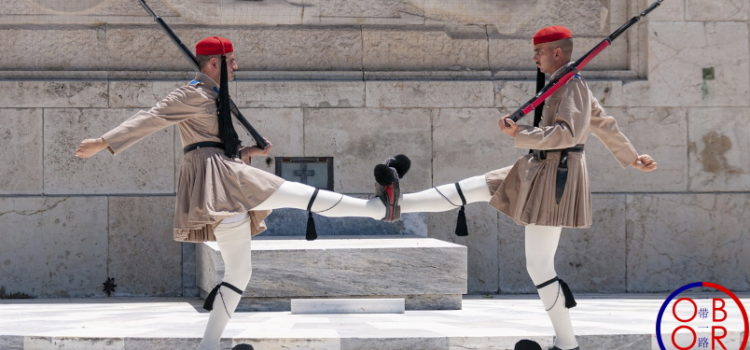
[(181, 104), (570, 121), (605, 128)]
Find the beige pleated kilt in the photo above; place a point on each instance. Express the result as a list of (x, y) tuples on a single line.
[(212, 187), (526, 191)]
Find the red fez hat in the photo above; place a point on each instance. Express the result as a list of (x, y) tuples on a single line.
[(550, 34), (214, 45)]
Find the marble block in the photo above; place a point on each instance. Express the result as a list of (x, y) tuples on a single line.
[(53, 246), (48, 94), (22, 156), (389, 12), (431, 94), (140, 94), (98, 9), (677, 72), (11, 342), (300, 94), (467, 142), (79, 343), (669, 11), (716, 10), (359, 138), (428, 273), (717, 149), (675, 239), (348, 306), (143, 257), (646, 128), (293, 222), (454, 48), (481, 243), (58, 49), (146, 167), (256, 48)]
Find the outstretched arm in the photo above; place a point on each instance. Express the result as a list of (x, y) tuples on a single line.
[(182, 104), (605, 128)]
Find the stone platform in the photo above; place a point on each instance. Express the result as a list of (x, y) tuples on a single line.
[(426, 272), (611, 322)]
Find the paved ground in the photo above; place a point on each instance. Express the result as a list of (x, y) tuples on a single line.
[(601, 322)]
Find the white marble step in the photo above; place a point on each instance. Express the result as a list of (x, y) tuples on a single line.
[(348, 306), (611, 322)]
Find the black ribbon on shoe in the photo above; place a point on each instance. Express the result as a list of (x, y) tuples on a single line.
[(209, 303), (311, 234), (570, 301), (461, 227)]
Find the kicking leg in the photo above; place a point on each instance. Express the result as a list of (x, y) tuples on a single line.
[(234, 243), (540, 245), (296, 195), (332, 204), (447, 197)]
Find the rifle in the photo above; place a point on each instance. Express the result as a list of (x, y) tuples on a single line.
[(259, 140), (573, 69)]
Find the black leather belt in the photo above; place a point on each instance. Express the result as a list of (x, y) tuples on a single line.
[(542, 154), (194, 146), (562, 167)]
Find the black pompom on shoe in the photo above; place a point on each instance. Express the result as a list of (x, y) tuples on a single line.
[(243, 347), (384, 176), (399, 162), (526, 344)]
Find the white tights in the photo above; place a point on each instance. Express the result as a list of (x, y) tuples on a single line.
[(446, 197), (234, 243), (296, 195), (442, 198), (540, 246)]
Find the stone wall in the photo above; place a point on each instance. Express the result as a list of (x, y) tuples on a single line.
[(359, 81)]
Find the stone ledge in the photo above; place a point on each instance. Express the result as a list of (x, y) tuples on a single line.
[(288, 76), (348, 306), (428, 273)]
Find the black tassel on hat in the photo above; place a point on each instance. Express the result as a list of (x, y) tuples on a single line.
[(311, 233), (227, 134), (461, 227)]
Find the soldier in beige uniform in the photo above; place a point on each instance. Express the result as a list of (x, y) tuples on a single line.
[(220, 197), (548, 189)]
